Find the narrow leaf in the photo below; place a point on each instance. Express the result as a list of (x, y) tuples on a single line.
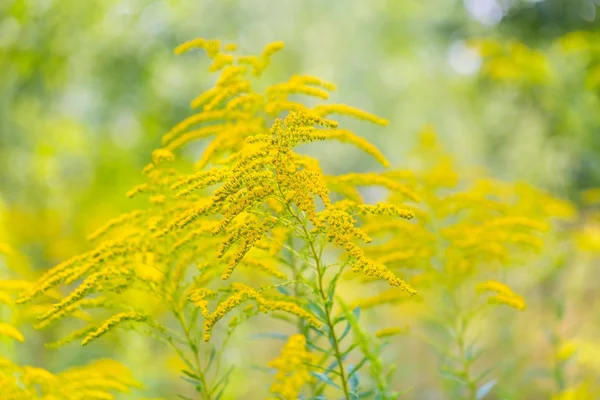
[(485, 389), (324, 378)]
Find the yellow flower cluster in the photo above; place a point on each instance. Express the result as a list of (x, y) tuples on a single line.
[(99, 380), (504, 295), (241, 294), (292, 372), (340, 227)]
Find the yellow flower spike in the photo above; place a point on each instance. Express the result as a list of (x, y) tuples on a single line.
[(210, 46), (113, 322), (220, 61), (272, 48), (263, 265), (198, 181), (313, 80), (249, 236), (189, 45), (52, 278), (199, 298), (504, 295), (228, 94), (289, 307), (141, 188), (257, 64), (194, 234), (86, 287), (494, 286), (386, 209), (514, 301), (195, 134), (370, 268), (285, 89), (387, 332), (11, 332), (158, 199), (73, 309), (275, 107), (231, 73), (115, 223), (373, 179), (342, 109), (160, 156), (242, 294), (206, 116), (346, 136), (202, 99)]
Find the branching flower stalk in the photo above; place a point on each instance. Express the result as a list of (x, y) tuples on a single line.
[(253, 226), (250, 199), (326, 302)]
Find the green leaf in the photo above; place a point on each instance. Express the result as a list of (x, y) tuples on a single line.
[(345, 353), (358, 366), (316, 309), (191, 375), (192, 381), (211, 357), (313, 346), (283, 290), (223, 381), (353, 378), (346, 331), (333, 285), (485, 389), (325, 379)]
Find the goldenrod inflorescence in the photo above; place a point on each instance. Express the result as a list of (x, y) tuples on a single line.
[(256, 227)]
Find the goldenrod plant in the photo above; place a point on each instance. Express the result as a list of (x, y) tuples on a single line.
[(254, 244), (253, 229)]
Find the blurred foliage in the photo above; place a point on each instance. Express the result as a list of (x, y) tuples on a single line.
[(88, 87)]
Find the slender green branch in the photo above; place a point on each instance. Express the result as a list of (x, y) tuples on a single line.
[(204, 391), (327, 305), (465, 368)]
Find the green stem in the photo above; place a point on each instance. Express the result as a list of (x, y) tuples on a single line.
[(204, 392), (298, 273), (327, 305), (461, 328)]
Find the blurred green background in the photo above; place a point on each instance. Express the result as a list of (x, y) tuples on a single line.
[(87, 87)]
